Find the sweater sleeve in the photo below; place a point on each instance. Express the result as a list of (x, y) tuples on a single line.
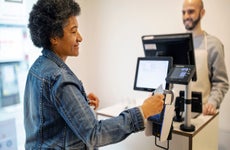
[(217, 71)]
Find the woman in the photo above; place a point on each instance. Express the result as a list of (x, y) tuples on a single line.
[(57, 114)]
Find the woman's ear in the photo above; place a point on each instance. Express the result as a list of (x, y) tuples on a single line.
[(53, 40)]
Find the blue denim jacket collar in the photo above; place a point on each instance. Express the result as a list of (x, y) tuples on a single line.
[(52, 56)]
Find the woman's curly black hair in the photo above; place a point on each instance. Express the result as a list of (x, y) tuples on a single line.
[(47, 19)]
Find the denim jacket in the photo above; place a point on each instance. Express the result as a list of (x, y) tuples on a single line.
[(57, 115)]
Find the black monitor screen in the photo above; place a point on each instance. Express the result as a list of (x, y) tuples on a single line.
[(151, 72), (178, 46)]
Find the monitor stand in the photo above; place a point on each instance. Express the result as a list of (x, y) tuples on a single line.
[(187, 126)]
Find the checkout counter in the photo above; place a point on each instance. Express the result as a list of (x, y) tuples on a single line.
[(205, 136)]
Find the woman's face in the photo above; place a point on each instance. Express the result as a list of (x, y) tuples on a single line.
[(68, 45)]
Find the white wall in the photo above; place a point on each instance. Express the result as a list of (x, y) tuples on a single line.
[(112, 31)]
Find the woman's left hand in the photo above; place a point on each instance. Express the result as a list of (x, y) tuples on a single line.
[(93, 100)]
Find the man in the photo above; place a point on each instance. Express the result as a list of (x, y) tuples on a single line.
[(212, 78)]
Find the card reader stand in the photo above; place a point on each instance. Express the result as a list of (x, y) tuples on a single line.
[(182, 74)]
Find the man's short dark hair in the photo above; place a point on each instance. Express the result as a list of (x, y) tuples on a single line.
[(47, 19)]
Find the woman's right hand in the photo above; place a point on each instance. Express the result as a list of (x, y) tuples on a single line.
[(152, 105)]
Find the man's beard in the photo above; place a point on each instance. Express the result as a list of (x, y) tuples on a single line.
[(194, 23)]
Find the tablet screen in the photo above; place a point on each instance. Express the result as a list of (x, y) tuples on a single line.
[(151, 72)]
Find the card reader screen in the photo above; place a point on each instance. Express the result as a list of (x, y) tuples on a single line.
[(179, 73)]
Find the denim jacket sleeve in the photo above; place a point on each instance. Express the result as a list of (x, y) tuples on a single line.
[(71, 103)]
